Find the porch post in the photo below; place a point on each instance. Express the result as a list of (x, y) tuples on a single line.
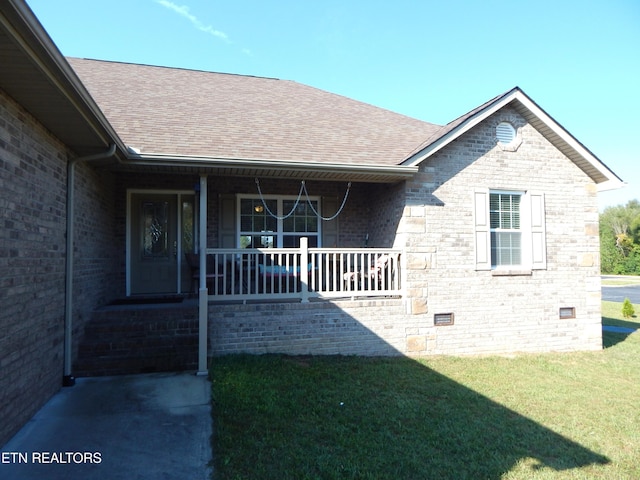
[(304, 270), (203, 294)]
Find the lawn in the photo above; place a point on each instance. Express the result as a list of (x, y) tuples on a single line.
[(620, 281), (551, 416)]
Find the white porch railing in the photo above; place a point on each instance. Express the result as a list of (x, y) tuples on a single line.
[(302, 273)]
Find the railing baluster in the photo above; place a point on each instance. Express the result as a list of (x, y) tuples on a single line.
[(252, 274)]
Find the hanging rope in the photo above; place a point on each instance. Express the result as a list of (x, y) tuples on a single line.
[(327, 219), (303, 188), (264, 203)]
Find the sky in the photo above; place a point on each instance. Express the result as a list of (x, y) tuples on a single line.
[(431, 60)]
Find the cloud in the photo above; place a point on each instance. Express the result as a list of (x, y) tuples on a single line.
[(183, 10)]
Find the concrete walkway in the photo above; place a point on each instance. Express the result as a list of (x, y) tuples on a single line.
[(155, 426)]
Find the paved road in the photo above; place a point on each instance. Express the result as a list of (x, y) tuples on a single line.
[(618, 294)]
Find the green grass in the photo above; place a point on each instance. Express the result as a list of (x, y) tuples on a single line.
[(551, 416), (612, 315), (621, 281)]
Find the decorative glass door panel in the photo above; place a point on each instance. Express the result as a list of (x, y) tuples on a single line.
[(155, 219), (161, 231)]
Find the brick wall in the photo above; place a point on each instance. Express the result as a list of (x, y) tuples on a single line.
[(33, 191), (353, 221), (432, 217), (371, 327), (121, 339), (96, 279), (32, 262), (511, 313)]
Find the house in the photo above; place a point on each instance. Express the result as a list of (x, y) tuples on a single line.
[(320, 225)]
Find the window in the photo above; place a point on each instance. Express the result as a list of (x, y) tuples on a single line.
[(260, 229), (506, 233), (509, 231)]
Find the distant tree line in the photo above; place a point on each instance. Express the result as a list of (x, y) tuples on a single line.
[(620, 239)]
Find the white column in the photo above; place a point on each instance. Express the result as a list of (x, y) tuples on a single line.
[(203, 294)]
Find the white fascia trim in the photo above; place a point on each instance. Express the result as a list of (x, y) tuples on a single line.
[(613, 180), (151, 159), (460, 130), (570, 140), (108, 134), (611, 185)]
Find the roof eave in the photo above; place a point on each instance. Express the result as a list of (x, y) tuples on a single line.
[(85, 129), (272, 168), (602, 175)]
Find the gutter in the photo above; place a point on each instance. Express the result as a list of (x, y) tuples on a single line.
[(204, 162), (68, 380)]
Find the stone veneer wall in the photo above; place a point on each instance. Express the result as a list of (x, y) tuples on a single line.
[(495, 314)]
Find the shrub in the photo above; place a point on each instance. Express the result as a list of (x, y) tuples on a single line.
[(627, 309)]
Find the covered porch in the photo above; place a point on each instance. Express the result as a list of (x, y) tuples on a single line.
[(268, 262), (299, 273), (342, 251)]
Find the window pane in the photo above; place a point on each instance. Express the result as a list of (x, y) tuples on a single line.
[(246, 207), (303, 219), (265, 240), (256, 221), (495, 219), (246, 223), (506, 248), (187, 226), (246, 241), (293, 241), (300, 224), (254, 217), (504, 210)]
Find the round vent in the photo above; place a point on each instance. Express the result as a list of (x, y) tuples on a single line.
[(505, 132)]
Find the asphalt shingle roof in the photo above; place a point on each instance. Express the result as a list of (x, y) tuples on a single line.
[(174, 111)]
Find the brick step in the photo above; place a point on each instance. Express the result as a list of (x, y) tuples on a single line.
[(138, 339)]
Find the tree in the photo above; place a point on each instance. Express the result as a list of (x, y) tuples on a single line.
[(627, 309), (620, 239)]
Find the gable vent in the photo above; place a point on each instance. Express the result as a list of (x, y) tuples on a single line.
[(505, 133)]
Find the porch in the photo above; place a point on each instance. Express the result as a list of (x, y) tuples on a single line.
[(254, 274)]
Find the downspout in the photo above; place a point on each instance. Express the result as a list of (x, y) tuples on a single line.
[(68, 380)]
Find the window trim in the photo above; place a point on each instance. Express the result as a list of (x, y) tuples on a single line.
[(524, 264), (533, 223), (279, 233)]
